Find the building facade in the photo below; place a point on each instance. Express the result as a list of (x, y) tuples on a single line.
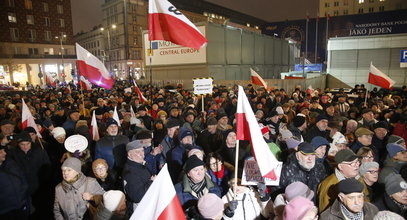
[(350, 7), (94, 42), (37, 40)]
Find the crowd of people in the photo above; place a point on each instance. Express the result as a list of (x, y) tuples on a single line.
[(344, 155)]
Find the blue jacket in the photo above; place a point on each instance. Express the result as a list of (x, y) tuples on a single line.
[(104, 149), (152, 161)]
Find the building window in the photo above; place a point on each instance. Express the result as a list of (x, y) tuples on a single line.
[(382, 0), (17, 50), (361, 1), (60, 9), (371, 9), (345, 2), (137, 55), (48, 36), (135, 41), (14, 34), (61, 23), (30, 19), (381, 8), (345, 12), (326, 4), (336, 13), (360, 11), (10, 3), (33, 51), (12, 17), (336, 4), (46, 21), (371, 1), (49, 51), (31, 35), (28, 4), (45, 6)]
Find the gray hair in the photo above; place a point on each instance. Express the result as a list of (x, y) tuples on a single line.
[(387, 215)]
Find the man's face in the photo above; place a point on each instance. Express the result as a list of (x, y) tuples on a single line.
[(401, 156), (142, 113), (171, 131), (400, 197), (7, 129), (174, 112), (330, 110), (197, 174), (223, 120), (365, 139), (307, 161), (136, 155), (25, 146), (380, 133), (212, 129), (231, 139), (353, 201), (322, 124), (274, 119), (112, 130), (349, 169), (187, 140), (320, 151), (33, 136), (368, 116), (190, 118), (75, 116)]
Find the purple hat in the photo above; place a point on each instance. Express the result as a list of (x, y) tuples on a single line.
[(296, 189)]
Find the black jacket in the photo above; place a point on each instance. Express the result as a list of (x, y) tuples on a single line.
[(314, 131), (387, 203), (136, 179)]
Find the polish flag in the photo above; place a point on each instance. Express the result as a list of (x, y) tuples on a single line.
[(94, 130), (27, 119), (92, 68), (116, 116), (257, 80), (50, 80), (247, 128), (84, 83), (378, 78), (132, 113), (160, 201), (140, 95), (165, 22)]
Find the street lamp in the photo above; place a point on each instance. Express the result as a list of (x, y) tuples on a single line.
[(113, 26), (61, 38)]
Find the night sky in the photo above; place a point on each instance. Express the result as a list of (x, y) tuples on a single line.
[(268, 10)]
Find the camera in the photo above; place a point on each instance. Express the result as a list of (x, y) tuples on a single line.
[(11, 137)]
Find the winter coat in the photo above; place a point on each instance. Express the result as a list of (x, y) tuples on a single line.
[(385, 202), (293, 172), (136, 178), (69, 203), (314, 131), (13, 187), (210, 142), (334, 212), (357, 145), (152, 161), (249, 205), (167, 143), (104, 214), (390, 166), (104, 149), (184, 191)]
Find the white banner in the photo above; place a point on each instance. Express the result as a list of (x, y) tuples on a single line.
[(251, 174), (203, 86)]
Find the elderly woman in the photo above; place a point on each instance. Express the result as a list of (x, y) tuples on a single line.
[(366, 154), (76, 193)]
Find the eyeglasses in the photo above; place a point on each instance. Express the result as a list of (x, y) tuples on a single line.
[(368, 157), (372, 171), (354, 163)]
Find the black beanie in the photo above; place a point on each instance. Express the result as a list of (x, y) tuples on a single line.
[(192, 162), (298, 120)]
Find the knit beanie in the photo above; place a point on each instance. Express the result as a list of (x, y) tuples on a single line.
[(366, 166), (297, 208), (112, 199), (298, 121), (58, 131), (73, 163), (393, 149), (394, 183), (394, 139), (210, 205), (193, 162)]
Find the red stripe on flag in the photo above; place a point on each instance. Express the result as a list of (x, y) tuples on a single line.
[(172, 211), (94, 75), (378, 81), (242, 127), (166, 27), (24, 124), (256, 81)]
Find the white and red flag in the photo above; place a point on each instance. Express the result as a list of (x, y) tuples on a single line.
[(160, 201), (50, 80), (84, 83), (132, 113), (92, 68), (94, 130), (257, 80), (27, 119), (140, 95), (116, 116), (247, 128), (165, 22), (378, 78)]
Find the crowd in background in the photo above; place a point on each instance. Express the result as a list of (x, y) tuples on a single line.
[(344, 155)]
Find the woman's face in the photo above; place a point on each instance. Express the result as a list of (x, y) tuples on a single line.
[(215, 165), (368, 157), (231, 139), (101, 170), (68, 173)]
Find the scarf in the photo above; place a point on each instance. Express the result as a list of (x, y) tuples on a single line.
[(220, 173), (350, 215), (198, 188)]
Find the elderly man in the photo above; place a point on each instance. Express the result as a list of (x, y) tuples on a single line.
[(303, 168), (7, 131), (136, 177), (395, 197), (211, 138), (367, 119), (319, 129), (350, 203), (69, 124), (172, 131), (298, 126), (364, 139), (396, 159), (348, 167), (379, 139), (112, 146)]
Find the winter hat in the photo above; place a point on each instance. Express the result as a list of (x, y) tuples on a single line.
[(172, 123), (366, 166), (135, 121), (306, 148), (112, 199), (394, 183), (161, 112), (297, 208), (363, 131), (394, 139), (319, 141), (23, 136), (273, 113), (298, 120), (111, 121), (193, 151), (387, 215), (350, 185), (285, 134), (211, 121), (210, 205), (339, 138), (143, 134), (292, 143), (30, 130), (183, 132), (73, 163), (96, 163), (136, 144), (381, 124), (296, 189), (193, 162), (345, 155), (221, 115), (280, 110), (58, 131), (393, 149), (321, 117)]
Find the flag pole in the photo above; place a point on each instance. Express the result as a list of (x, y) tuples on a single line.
[(39, 140), (316, 39), (236, 168), (366, 97), (203, 105), (151, 73)]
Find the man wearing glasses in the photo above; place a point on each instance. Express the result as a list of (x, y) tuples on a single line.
[(347, 167), (364, 139)]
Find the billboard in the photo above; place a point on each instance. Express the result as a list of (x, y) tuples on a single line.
[(168, 53)]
